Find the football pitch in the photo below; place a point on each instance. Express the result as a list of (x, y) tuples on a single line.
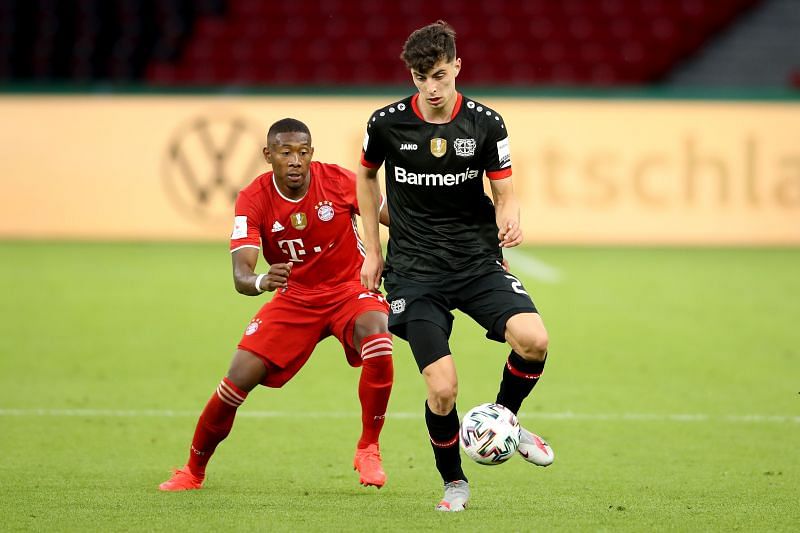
[(671, 398)]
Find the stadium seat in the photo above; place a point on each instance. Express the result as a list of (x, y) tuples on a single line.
[(524, 43)]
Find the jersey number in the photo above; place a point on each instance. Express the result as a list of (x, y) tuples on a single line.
[(516, 285)]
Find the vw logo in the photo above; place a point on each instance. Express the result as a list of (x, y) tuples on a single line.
[(208, 161)]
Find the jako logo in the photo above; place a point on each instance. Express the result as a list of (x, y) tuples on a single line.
[(401, 175), (408, 146)]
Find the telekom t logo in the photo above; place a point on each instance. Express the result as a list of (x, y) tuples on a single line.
[(294, 249)]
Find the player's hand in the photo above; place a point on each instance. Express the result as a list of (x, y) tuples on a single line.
[(504, 264), (277, 277), (371, 271), (510, 234)]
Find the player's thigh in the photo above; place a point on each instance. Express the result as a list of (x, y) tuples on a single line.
[(410, 301), (357, 309), (283, 334), (420, 314), (492, 299)]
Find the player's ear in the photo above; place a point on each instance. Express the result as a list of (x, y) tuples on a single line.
[(457, 66), (267, 155), (312, 152)]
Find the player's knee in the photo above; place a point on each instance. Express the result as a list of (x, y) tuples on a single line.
[(243, 382), (246, 370), (532, 347), (369, 324), (444, 393), (442, 398)]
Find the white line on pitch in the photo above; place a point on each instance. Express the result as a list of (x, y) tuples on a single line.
[(519, 261), (643, 417)]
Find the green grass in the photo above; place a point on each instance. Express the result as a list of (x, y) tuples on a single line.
[(98, 341)]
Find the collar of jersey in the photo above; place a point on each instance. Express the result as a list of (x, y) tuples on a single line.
[(415, 107), (278, 190)]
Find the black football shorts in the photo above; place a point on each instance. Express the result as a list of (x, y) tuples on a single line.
[(489, 298)]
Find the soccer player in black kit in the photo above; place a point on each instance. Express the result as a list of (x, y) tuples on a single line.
[(445, 242)]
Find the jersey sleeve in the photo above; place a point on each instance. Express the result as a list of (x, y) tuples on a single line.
[(497, 154), (246, 224), (373, 152)]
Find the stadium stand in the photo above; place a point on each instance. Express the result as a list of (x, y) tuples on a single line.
[(352, 42), (764, 51), (94, 40)]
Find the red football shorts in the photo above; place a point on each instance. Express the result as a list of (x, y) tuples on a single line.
[(285, 331)]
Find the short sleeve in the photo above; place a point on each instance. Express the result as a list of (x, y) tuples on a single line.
[(497, 153), (246, 224), (373, 152)]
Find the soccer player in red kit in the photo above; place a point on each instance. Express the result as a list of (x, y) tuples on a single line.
[(303, 215)]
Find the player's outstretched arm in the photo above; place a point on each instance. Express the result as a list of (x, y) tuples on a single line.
[(368, 192), (506, 210), (245, 277)]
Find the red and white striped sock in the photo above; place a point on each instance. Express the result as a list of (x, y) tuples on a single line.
[(214, 425), (375, 385)]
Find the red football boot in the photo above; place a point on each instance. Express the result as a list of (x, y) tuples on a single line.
[(368, 463), (182, 479)]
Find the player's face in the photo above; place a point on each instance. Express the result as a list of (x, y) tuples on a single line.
[(290, 156), (437, 87)]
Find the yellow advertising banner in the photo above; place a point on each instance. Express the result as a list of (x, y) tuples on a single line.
[(585, 171)]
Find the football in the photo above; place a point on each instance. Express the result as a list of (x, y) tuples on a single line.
[(489, 434)]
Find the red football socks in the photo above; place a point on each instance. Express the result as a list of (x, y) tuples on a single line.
[(375, 385), (214, 425)]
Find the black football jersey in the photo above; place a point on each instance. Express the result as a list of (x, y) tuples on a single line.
[(442, 222)]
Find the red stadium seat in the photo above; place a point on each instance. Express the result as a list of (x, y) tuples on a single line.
[(530, 42)]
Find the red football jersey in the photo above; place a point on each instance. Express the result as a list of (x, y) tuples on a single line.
[(317, 233)]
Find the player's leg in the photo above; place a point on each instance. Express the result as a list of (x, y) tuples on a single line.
[(526, 334), (431, 350), (290, 337), (421, 315), (246, 371), (215, 423), (501, 304), (359, 320), (373, 342)]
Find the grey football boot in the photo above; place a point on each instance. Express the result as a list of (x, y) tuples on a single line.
[(534, 449), (456, 495)]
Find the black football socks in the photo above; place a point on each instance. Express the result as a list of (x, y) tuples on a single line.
[(443, 432), (519, 378)]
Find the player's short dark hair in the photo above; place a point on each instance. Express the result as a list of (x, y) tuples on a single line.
[(287, 125), (428, 45)]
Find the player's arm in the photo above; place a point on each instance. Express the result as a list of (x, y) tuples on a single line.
[(369, 194), (506, 210), (245, 278)]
